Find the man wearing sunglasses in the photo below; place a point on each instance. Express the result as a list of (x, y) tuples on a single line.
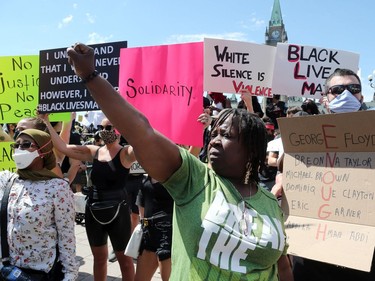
[(343, 92)]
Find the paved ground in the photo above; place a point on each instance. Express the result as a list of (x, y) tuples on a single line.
[(85, 258)]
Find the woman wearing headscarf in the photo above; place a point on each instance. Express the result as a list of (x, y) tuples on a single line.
[(40, 210)]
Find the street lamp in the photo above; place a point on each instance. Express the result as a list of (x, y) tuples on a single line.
[(371, 79)]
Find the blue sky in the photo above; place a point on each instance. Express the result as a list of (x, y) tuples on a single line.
[(29, 26)]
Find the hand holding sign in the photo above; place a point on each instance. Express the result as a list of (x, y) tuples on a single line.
[(205, 119), (247, 98)]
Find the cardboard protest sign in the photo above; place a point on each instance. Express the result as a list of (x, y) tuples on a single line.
[(61, 90), (328, 183), (302, 70), (166, 84), (230, 66), (6, 160)]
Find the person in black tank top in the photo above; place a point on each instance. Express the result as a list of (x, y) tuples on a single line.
[(110, 170), (109, 175)]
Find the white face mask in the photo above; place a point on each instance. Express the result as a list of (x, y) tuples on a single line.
[(23, 158), (346, 102)]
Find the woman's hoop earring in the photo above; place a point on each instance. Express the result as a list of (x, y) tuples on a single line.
[(247, 175)]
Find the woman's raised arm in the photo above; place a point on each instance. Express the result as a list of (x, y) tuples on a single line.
[(78, 152), (157, 155)]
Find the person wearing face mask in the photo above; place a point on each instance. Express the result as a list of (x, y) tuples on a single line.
[(342, 94), (40, 211), (110, 169), (64, 128)]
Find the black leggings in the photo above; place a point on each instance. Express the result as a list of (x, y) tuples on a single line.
[(119, 230)]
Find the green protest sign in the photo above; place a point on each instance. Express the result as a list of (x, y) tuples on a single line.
[(19, 89), (6, 160)]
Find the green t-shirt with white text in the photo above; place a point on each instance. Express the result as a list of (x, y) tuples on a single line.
[(214, 236)]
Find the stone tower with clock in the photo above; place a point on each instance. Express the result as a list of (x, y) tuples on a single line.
[(275, 32)]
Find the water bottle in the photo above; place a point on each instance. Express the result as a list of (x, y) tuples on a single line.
[(13, 273)]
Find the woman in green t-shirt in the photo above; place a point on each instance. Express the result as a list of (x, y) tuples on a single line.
[(225, 227)]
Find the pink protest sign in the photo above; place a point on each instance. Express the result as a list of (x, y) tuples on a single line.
[(166, 84)]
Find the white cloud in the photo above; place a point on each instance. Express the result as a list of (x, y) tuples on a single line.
[(258, 22), (184, 38), (90, 18), (75, 6), (254, 23), (65, 21), (95, 38)]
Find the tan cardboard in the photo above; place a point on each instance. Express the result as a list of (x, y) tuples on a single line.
[(344, 132), (329, 187)]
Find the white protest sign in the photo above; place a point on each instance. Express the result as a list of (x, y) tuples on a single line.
[(302, 70), (136, 168), (230, 66)]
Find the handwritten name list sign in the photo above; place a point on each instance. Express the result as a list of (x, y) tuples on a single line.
[(328, 181), (230, 66), (302, 70)]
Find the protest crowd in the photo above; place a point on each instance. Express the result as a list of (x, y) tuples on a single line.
[(204, 213), (88, 139)]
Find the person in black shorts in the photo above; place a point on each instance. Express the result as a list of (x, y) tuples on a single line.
[(156, 210), (132, 187), (110, 169)]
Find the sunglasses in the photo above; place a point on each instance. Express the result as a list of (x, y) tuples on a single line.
[(24, 145), (107, 127), (339, 89)]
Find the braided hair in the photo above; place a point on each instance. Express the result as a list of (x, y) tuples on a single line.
[(252, 130)]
